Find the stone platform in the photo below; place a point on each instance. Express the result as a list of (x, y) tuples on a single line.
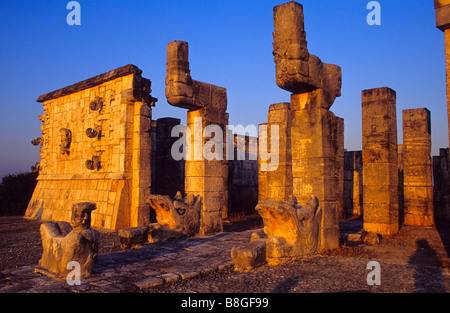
[(132, 270)]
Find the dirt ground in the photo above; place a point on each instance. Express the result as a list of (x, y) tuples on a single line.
[(414, 260), (20, 240)]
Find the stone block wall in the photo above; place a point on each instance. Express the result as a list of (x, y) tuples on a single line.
[(168, 176), (242, 181), (441, 193), (96, 147), (353, 183)]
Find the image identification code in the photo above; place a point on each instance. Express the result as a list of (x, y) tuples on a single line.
[(234, 302)]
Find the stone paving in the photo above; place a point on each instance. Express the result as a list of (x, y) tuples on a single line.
[(132, 270)]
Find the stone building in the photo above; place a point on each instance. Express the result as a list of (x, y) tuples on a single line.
[(95, 147), (100, 145)]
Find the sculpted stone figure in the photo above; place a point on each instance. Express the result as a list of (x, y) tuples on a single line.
[(207, 105), (296, 69), (181, 214), (66, 139), (293, 232), (63, 242), (312, 135), (94, 163)]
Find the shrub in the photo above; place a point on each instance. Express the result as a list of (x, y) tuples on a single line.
[(15, 193)]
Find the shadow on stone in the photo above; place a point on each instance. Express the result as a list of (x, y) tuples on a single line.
[(428, 273)]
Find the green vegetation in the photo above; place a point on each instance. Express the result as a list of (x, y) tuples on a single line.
[(15, 193)]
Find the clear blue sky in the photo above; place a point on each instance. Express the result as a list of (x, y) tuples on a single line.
[(230, 45)]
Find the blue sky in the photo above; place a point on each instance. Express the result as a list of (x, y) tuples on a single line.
[(230, 44)]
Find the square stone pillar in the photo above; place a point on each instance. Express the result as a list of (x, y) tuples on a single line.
[(380, 161), (207, 104), (340, 162), (315, 161), (315, 132), (417, 168), (443, 23), (277, 185), (207, 178)]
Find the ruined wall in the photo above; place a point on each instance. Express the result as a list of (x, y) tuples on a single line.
[(380, 161), (95, 147), (168, 176), (441, 167), (353, 183), (242, 180)]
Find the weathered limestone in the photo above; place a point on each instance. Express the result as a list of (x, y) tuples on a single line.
[(133, 236), (181, 214), (277, 184), (95, 147), (311, 136), (442, 14), (417, 168), (293, 232), (63, 243), (443, 23), (340, 163), (380, 161), (249, 256), (207, 105)]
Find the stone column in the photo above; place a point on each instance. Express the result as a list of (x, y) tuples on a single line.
[(315, 161), (340, 163), (380, 161), (443, 23), (314, 128), (417, 168), (141, 164), (277, 185), (207, 104), (207, 178)]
